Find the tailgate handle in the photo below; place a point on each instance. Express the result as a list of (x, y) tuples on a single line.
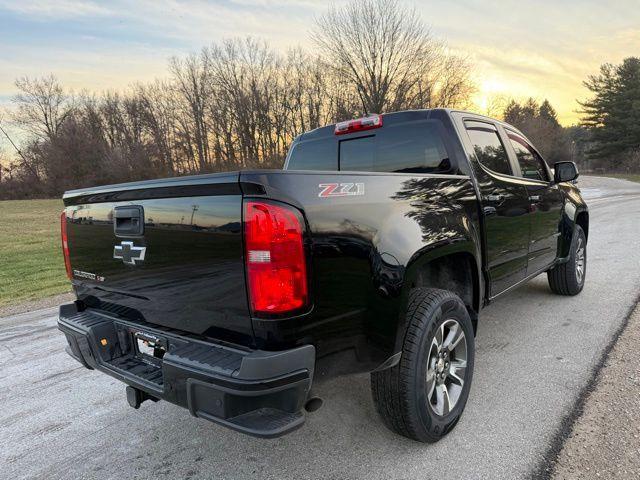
[(128, 221)]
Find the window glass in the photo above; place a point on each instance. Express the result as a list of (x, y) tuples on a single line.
[(412, 147), (531, 164), (313, 155), (357, 154), (489, 149), (408, 148)]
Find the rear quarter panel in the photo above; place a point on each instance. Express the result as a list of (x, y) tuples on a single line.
[(366, 250)]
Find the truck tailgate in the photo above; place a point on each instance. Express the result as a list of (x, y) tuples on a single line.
[(184, 270)]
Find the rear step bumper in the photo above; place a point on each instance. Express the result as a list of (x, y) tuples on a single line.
[(256, 392)]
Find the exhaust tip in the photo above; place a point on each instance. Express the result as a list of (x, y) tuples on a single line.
[(313, 404)]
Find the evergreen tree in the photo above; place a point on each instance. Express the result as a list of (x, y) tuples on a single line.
[(548, 114), (613, 114)]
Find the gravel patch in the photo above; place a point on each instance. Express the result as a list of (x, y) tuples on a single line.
[(605, 439), (41, 303)]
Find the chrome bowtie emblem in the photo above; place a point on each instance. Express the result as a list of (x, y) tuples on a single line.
[(129, 253)]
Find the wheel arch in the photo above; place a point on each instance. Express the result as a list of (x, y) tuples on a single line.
[(454, 267), (582, 219), (572, 216)]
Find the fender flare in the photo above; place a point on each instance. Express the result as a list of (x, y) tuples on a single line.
[(573, 214), (430, 253)]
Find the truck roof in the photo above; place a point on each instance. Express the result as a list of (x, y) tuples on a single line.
[(328, 130)]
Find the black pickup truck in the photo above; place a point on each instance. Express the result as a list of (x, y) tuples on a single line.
[(374, 250)]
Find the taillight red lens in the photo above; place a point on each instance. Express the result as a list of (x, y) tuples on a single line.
[(65, 244), (274, 255)]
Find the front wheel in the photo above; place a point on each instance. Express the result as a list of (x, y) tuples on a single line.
[(568, 278), (423, 396)]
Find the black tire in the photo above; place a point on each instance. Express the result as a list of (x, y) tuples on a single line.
[(400, 392), (566, 279)]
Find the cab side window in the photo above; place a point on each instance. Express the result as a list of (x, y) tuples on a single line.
[(531, 163), (488, 148)]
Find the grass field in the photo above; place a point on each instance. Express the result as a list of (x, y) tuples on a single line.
[(31, 263), (634, 177)]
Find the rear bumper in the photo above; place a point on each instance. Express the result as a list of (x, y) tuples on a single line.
[(256, 392)]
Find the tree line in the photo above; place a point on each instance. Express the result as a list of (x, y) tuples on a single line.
[(236, 104), (612, 116), (239, 104), (607, 139)]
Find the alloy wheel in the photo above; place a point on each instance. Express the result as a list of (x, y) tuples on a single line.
[(446, 370), (580, 260)]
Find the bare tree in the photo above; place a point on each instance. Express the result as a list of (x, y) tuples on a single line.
[(237, 104), (28, 165), (158, 114), (42, 106), (191, 82), (452, 79), (389, 56), (495, 104)]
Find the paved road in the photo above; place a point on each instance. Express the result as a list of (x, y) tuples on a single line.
[(535, 351), (604, 440)]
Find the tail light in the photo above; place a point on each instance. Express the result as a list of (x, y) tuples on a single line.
[(359, 124), (275, 259), (65, 244)]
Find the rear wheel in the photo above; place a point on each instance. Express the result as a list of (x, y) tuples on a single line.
[(568, 278), (423, 396)]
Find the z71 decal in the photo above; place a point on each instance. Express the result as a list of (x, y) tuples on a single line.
[(340, 189)]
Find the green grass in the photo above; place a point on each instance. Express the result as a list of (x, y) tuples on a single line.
[(31, 263), (634, 177)]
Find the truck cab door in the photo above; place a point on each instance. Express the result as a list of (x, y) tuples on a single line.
[(546, 202), (504, 202)]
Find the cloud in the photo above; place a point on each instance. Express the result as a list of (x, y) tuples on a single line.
[(55, 9), (281, 3), (544, 48), (197, 23)]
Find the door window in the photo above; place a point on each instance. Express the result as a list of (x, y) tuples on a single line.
[(488, 148), (531, 164)]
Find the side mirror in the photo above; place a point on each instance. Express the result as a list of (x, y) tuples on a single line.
[(565, 172)]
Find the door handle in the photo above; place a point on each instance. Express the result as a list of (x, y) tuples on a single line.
[(496, 198)]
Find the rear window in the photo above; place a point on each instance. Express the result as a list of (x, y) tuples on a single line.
[(415, 147), (358, 154), (314, 155)]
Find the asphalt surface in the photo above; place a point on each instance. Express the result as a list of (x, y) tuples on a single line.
[(535, 353)]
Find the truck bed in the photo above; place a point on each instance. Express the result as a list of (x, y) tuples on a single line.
[(192, 278)]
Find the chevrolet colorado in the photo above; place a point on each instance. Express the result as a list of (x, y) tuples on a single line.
[(374, 250)]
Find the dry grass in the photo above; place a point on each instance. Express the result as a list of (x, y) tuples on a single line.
[(31, 263), (634, 177)]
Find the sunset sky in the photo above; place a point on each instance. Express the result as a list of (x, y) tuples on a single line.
[(543, 49)]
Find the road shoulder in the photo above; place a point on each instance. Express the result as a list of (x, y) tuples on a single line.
[(604, 441), (10, 310)]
